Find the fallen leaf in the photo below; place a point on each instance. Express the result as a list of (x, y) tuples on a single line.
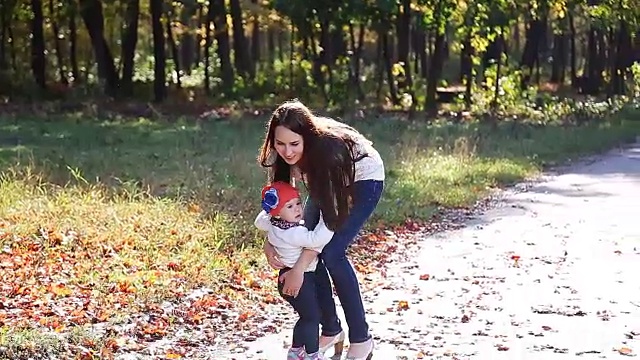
[(244, 316), (171, 354), (193, 208), (60, 290), (403, 305), (59, 328), (625, 351)]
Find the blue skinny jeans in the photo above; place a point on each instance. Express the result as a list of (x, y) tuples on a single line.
[(334, 263)]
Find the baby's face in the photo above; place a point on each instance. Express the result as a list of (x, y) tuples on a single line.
[(292, 211)]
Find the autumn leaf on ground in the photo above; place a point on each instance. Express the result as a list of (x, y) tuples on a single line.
[(244, 316), (193, 208), (363, 269), (625, 351), (60, 290), (173, 354)]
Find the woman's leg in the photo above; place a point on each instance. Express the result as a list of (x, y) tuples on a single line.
[(366, 195), (329, 317)]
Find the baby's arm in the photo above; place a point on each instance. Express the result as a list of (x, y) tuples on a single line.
[(263, 221)]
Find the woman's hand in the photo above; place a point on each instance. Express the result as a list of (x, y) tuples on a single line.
[(272, 256), (292, 280)]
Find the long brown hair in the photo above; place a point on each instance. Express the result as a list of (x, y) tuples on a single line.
[(328, 158)]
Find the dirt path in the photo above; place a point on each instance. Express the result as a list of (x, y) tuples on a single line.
[(572, 295)]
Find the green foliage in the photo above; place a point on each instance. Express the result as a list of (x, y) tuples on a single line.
[(436, 14), (307, 48)]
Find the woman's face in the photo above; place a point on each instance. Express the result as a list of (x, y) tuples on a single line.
[(288, 144)]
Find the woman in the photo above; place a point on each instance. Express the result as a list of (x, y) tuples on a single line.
[(344, 176)]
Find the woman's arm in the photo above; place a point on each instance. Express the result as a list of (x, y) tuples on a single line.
[(272, 256), (292, 279), (314, 239), (305, 259)]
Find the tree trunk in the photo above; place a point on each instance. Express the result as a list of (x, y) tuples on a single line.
[(466, 57), (593, 81), (240, 48), (187, 48), (559, 58), (14, 60), (255, 42), (174, 52), (207, 51), (218, 11), (388, 65), (3, 35), (201, 20), (6, 15), (281, 39), (91, 11), (572, 50), (159, 65), (534, 36), (466, 54), (622, 58), (37, 44), (435, 71), (421, 50), (380, 70), (318, 75), (327, 57), (58, 43), (403, 27), (500, 50), (271, 48), (356, 49), (73, 42), (292, 37), (129, 42), (516, 36)]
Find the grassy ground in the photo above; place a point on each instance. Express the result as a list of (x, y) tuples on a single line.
[(126, 213)]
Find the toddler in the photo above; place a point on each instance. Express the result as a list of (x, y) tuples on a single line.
[(280, 218)]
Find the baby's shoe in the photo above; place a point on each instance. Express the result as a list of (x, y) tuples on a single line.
[(296, 354), (315, 356)]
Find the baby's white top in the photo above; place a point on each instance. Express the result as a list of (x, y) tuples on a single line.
[(290, 242)]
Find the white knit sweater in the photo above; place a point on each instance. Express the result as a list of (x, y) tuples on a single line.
[(290, 242)]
